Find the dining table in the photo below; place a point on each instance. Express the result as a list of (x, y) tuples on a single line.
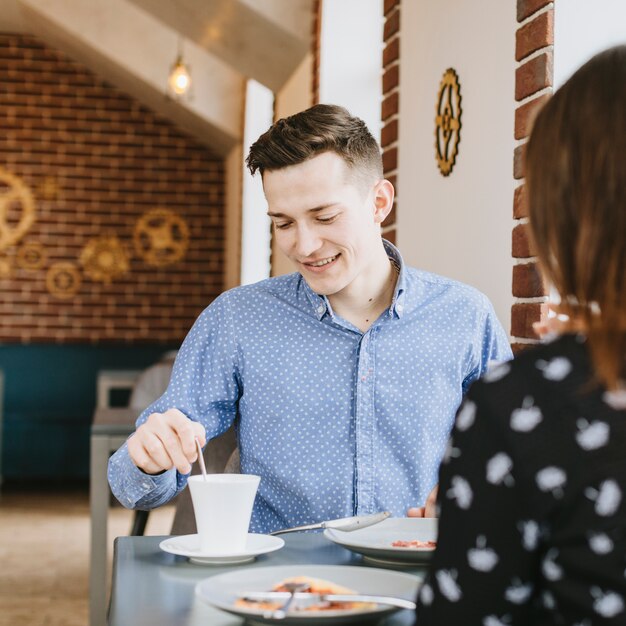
[(153, 588)]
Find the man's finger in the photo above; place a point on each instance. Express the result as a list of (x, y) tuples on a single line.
[(147, 452), (173, 447), (415, 511)]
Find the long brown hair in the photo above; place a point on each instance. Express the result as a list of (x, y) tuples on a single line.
[(576, 180)]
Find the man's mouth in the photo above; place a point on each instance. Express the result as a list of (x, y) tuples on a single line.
[(322, 262)]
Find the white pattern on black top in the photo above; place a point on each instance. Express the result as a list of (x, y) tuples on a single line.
[(549, 547)]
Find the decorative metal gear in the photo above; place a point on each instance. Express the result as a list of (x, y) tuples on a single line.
[(6, 269), (63, 280), (16, 200), (104, 259), (448, 121), (161, 237), (31, 256)]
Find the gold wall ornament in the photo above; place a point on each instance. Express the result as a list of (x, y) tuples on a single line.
[(6, 269), (63, 280), (31, 256), (104, 259), (448, 121), (17, 209), (161, 237)]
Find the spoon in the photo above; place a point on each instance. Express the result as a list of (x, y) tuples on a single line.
[(347, 524), (201, 458), (292, 589)]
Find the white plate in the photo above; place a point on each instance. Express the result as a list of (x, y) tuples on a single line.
[(189, 546), (222, 590), (375, 541)]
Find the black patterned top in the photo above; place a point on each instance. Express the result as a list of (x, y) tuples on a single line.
[(532, 499)]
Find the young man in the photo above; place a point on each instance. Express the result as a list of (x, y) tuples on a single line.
[(344, 377)]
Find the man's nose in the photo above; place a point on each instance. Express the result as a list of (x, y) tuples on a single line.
[(307, 241)]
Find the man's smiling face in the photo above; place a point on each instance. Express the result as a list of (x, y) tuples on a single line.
[(325, 220)]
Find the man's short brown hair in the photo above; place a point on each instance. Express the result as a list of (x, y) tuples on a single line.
[(322, 128)]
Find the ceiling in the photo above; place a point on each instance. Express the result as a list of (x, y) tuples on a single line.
[(133, 43)]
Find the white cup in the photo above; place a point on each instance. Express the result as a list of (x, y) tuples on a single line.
[(222, 505)]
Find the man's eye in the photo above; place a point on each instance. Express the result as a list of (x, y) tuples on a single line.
[(282, 226), (327, 220)]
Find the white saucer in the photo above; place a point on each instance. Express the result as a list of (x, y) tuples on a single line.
[(189, 546)]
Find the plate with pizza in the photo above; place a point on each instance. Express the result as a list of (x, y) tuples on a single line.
[(256, 593), (397, 540)]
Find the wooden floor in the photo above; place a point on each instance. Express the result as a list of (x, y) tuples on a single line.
[(44, 555)]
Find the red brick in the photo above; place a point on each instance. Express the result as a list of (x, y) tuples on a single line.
[(389, 106), (523, 315), (391, 52), (525, 8), (525, 115), (521, 247), (392, 24), (534, 75), (527, 281), (520, 208), (391, 78), (518, 161), (535, 35), (389, 133), (517, 348), (390, 159), (390, 4), (113, 160)]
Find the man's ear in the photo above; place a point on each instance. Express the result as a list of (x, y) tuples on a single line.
[(383, 200)]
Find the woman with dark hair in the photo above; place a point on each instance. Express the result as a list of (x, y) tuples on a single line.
[(533, 487)]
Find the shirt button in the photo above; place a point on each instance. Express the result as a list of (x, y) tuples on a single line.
[(320, 308), (399, 307)]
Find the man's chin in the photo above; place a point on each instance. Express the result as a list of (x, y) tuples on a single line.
[(322, 287)]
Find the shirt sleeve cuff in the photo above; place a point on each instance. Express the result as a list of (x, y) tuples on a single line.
[(136, 489)]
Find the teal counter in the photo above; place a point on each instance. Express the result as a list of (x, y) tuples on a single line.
[(49, 399)]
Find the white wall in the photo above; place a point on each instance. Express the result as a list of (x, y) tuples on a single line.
[(583, 28), (351, 57), (255, 223), (459, 225)]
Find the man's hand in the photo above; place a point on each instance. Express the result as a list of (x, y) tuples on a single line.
[(166, 440), (429, 509)]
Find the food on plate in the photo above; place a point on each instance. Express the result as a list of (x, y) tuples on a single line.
[(314, 585), (415, 545)]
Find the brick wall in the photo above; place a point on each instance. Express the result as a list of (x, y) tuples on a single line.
[(93, 266), (389, 108), (533, 84), (316, 29)]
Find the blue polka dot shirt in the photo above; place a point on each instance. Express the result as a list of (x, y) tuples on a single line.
[(337, 422)]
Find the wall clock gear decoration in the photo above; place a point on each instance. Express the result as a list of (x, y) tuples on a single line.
[(6, 270), (31, 256), (63, 280), (161, 237), (17, 209), (104, 259), (448, 121)]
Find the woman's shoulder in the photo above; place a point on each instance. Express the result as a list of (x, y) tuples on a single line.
[(563, 362)]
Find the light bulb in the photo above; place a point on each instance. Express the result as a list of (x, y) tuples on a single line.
[(179, 79)]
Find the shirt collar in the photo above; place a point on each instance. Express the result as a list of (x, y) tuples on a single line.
[(398, 306), (321, 305)]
